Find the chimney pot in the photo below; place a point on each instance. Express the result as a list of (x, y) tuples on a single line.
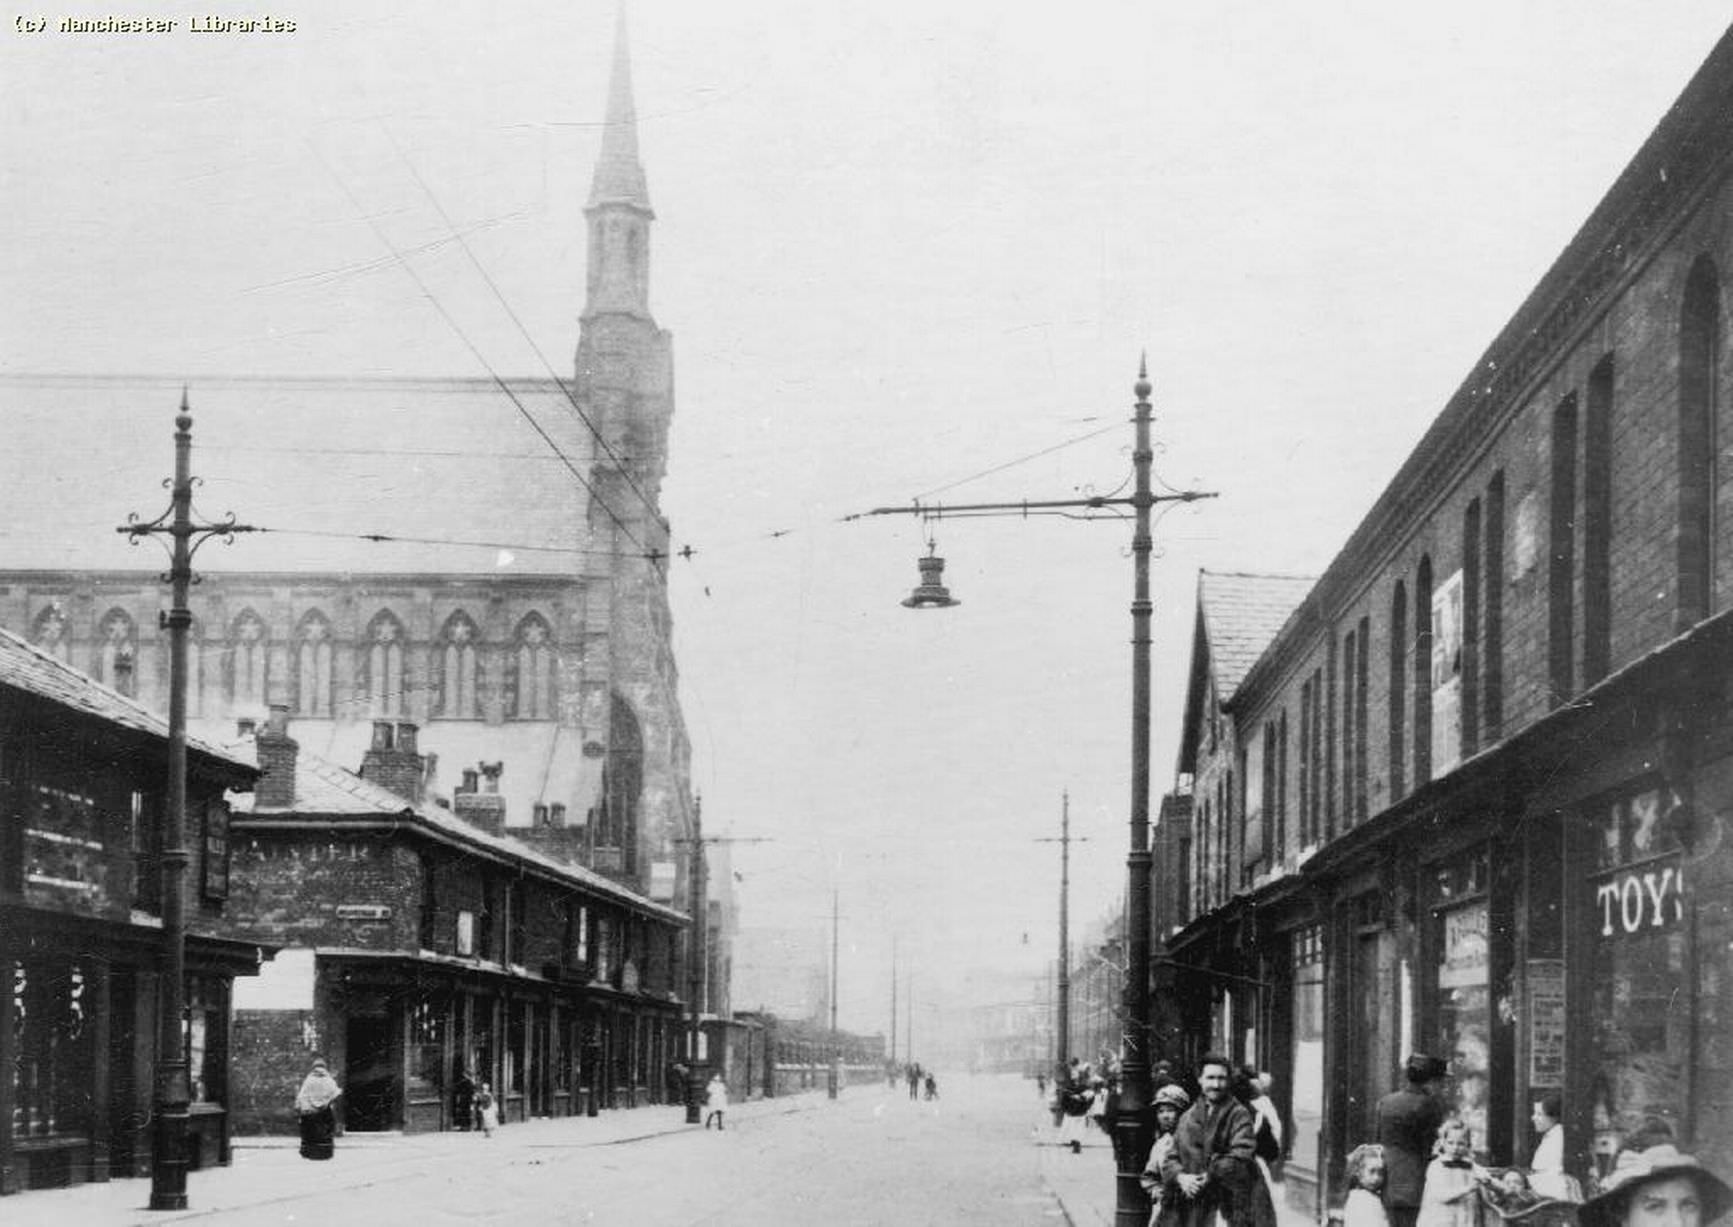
[(278, 720), (406, 737), (245, 726), (469, 779), (382, 734)]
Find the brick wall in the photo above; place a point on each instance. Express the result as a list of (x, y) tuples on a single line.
[(1640, 330), (287, 886)]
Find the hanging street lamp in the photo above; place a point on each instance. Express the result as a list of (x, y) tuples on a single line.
[(1131, 1139)]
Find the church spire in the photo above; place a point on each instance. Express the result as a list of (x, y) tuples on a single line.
[(619, 178), (619, 210)]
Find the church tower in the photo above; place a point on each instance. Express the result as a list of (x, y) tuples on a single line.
[(624, 380)]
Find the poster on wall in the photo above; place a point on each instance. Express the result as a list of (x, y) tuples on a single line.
[(1546, 1023), (1447, 674)]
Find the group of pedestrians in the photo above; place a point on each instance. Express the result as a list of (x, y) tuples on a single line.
[(1421, 1172), (1208, 1166), (1210, 1163)]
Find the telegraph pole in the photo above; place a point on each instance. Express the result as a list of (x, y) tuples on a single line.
[(171, 1091), (1062, 1004)]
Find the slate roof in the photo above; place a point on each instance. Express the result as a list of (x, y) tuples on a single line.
[(324, 789), (430, 460), (26, 667), (1242, 614)]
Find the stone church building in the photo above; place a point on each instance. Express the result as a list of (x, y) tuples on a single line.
[(482, 561)]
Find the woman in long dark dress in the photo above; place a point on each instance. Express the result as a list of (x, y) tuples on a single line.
[(319, 1090)]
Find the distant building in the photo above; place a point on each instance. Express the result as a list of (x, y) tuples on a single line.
[(1473, 798), (83, 778)]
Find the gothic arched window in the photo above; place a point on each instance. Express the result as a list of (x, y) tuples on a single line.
[(117, 652), (530, 678), (51, 633), (455, 659), (382, 665), (313, 665), (249, 660)]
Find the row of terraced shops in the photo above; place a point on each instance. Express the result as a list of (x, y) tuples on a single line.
[(1470, 792)]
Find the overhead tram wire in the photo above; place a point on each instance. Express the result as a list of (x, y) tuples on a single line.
[(519, 547), (499, 381), (524, 332)]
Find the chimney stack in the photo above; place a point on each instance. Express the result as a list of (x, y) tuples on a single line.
[(484, 810), (392, 761), (277, 752)]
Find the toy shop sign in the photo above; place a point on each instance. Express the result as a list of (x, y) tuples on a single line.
[(1645, 899)]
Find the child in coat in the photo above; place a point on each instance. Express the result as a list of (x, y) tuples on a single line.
[(1451, 1197), (1170, 1101), (715, 1100), (1365, 1205)]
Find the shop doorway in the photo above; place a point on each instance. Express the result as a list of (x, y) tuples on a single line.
[(369, 1092)]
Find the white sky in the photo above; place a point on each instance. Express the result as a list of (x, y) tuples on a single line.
[(898, 243)]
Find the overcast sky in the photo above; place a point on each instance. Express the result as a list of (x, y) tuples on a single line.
[(899, 243)]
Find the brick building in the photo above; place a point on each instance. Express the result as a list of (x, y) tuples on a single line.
[(421, 943), (1473, 796), (83, 783), (483, 559)]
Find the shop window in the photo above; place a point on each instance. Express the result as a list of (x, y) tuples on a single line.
[(51, 1021), (1308, 1075), (466, 933), (1643, 1021), (427, 1045), (1461, 932), (207, 1012)]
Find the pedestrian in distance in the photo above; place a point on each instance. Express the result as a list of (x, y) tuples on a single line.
[(914, 1077), (487, 1109), (932, 1084), (1408, 1122), (1451, 1197), (715, 1100), (1210, 1171), (1170, 1101), (1365, 1204), (314, 1104), (1657, 1186)]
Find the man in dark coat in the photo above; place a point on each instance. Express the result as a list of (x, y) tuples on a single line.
[(1408, 1123), (1211, 1168)]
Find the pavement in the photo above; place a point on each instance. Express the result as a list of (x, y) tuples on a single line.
[(269, 1170)]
